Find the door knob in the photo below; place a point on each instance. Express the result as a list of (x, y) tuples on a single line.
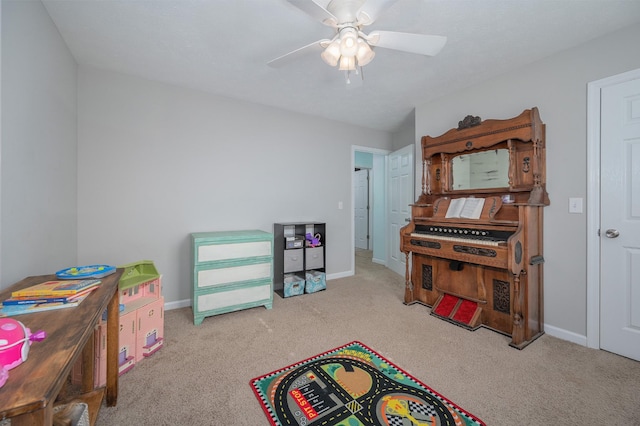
[(612, 233)]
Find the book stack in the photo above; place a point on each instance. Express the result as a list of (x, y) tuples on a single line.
[(46, 296)]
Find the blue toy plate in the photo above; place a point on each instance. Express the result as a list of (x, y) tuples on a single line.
[(89, 271)]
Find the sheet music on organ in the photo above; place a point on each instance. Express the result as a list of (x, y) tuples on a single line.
[(467, 208)]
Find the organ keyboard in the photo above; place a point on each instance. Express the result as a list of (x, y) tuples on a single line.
[(487, 237), (484, 270)]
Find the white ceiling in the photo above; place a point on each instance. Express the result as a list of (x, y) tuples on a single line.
[(223, 46)]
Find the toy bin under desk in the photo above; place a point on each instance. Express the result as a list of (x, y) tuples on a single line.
[(232, 270)]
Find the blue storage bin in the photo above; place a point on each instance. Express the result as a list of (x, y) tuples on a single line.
[(315, 281), (293, 285)]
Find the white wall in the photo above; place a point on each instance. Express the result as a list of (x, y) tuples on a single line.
[(38, 165), (558, 87), (157, 162), (406, 134)]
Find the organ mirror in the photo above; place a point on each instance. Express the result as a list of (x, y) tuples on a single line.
[(487, 157), (480, 170)]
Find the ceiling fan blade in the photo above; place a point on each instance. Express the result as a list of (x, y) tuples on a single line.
[(371, 9), (313, 9), (428, 45), (316, 46)]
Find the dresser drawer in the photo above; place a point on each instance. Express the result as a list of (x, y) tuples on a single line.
[(209, 277), (215, 252), (293, 260), (234, 299), (314, 258)]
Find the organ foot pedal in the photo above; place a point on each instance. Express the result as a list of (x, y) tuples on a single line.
[(457, 310)]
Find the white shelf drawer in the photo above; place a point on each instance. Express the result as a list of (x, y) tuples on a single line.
[(293, 260), (235, 297), (214, 277), (217, 252), (314, 258)]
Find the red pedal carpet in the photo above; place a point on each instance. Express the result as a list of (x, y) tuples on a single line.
[(446, 305), (465, 311), (353, 386)]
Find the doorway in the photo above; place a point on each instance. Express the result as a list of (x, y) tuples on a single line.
[(613, 151), (376, 165)]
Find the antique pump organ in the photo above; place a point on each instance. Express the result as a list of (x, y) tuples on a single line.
[(475, 235)]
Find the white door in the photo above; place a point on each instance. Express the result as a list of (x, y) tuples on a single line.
[(361, 208), (400, 194), (620, 219)]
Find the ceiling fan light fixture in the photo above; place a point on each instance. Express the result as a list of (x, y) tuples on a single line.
[(347, 63), (348, 42), (331, 54), (350, 48), (364, 54)]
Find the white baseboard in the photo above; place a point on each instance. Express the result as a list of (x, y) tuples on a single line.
[(177, 305), (379, 261), (340, 275), (565, 335)]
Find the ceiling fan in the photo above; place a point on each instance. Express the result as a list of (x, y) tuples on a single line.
[(350, 47)]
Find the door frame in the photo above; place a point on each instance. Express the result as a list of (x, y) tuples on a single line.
[(352, 164), (593, 196), (369, 209)]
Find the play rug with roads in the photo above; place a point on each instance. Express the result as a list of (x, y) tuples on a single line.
[(353, 386)]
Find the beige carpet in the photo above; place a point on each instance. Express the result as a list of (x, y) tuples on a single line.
[(201, 376)]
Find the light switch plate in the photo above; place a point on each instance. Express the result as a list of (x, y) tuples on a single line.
[(575, 205)]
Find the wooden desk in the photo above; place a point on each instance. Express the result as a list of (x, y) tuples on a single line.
[(29, 393)]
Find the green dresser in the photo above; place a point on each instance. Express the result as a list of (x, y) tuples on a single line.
[(232, 270)]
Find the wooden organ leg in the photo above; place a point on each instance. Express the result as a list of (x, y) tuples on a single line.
[(517, 335), (408, 289)]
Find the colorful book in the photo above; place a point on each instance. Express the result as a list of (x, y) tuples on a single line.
[(35, 300), (11, 311), (58, 288)]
